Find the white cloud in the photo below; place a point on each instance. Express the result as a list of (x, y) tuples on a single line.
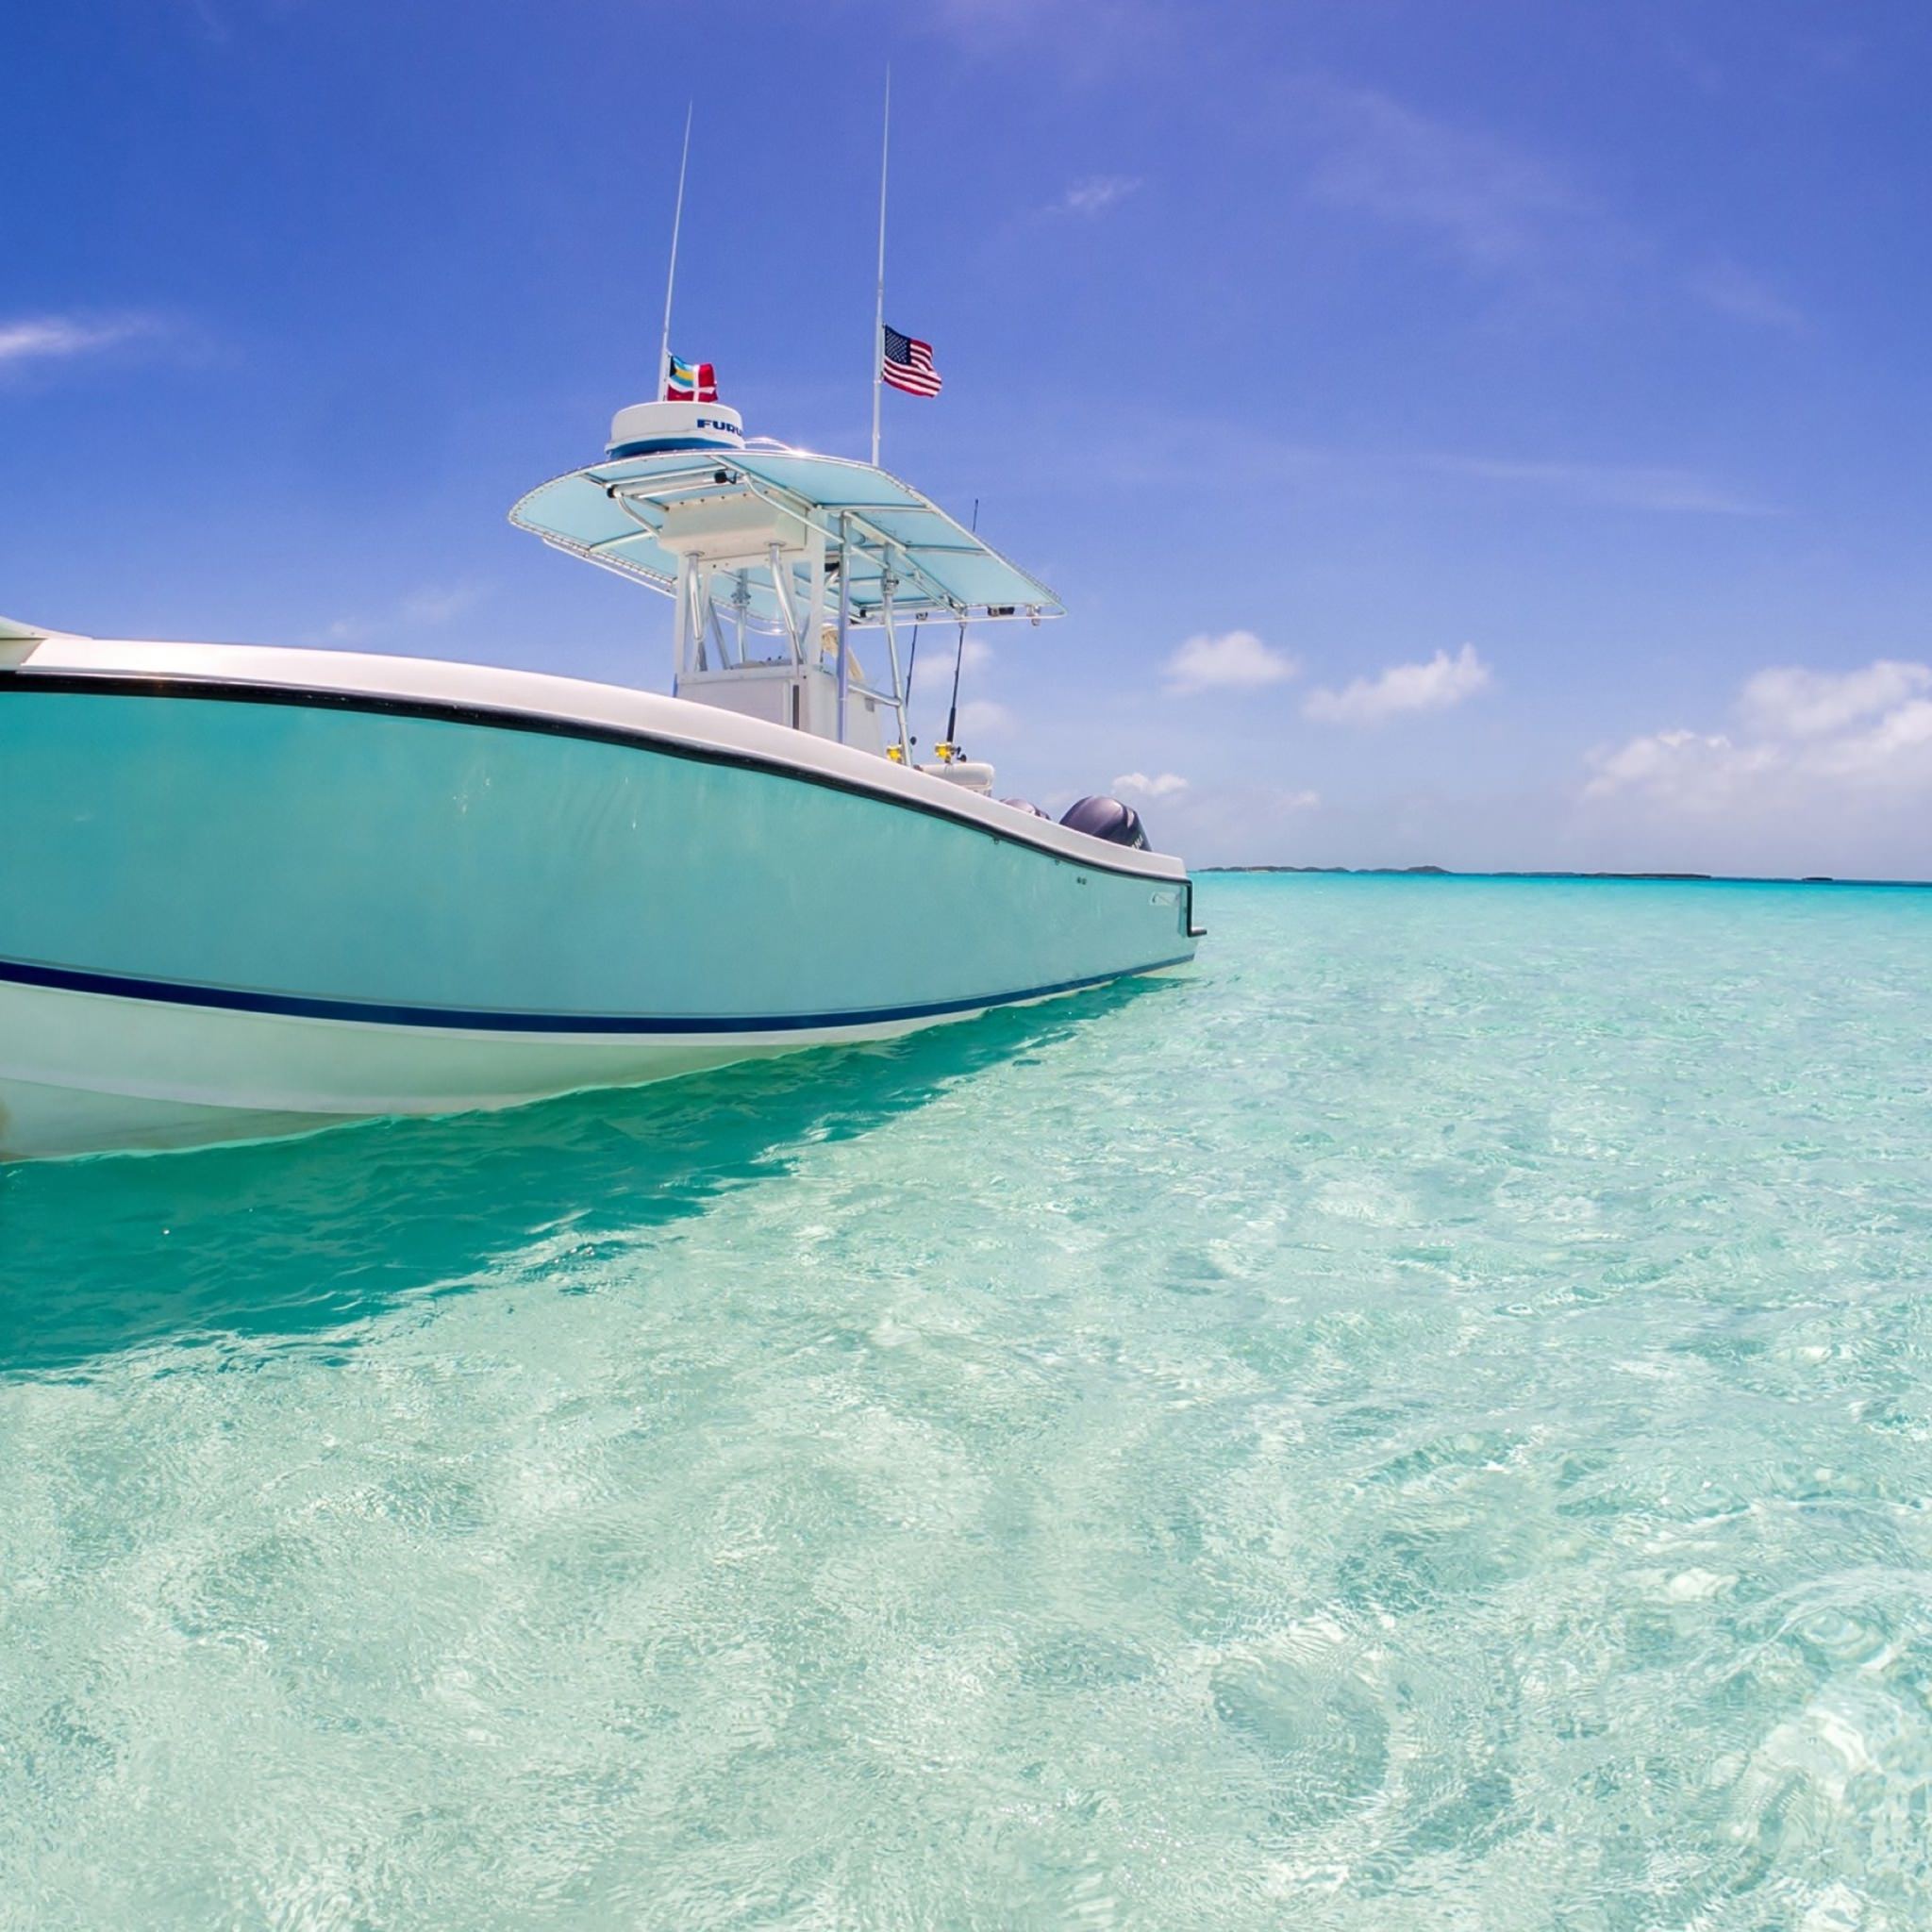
[(1898, 749), (1165, 784), (1689, 767), (1814, 755), (1443, 682), (56, 338), (974, 657), (1095, 194), (1789, 701), (1235, 660), (982, 718)]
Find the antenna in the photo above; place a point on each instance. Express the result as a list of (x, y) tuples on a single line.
[(878, 324), (671, 277)]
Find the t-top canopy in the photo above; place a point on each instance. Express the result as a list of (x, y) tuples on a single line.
[(748, 514)]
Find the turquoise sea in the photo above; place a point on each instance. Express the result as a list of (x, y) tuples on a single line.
[(1424, 1422)]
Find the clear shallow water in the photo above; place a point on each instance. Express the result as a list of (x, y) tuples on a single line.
[(1423, 1422)]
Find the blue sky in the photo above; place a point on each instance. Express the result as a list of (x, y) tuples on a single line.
[(1479, 436)]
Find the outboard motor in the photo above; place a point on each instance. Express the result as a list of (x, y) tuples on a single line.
[(1109, 819), (1026, 805)]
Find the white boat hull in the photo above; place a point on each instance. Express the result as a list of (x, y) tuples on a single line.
[(88, 1073)]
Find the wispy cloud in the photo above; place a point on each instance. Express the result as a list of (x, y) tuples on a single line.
[(1235, 660), (1152, 448), (1490, 203), (428, 608), (1083, 37), (1438, 684), (431, 606), (1659, 487), (1094, 195), (1735, 292), (1226, 818), (1506, 212), (994, 19), (31, 339), (208, 19)]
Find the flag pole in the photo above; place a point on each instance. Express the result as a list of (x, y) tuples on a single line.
[(878, 324), (671, 277)]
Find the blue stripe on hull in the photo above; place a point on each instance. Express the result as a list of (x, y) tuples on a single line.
[(239, 1000)]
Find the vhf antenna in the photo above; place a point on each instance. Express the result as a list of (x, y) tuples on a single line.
[(671, 276)]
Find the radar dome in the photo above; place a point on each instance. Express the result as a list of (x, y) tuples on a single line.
[(646, 429)]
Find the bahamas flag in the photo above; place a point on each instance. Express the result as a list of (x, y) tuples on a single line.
[(691, 382)]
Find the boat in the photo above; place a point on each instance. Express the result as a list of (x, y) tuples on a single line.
[(251, 891)]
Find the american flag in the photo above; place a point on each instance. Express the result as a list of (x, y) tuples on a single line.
[(907, 365)]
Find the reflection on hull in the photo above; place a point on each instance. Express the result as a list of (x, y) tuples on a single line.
[(345, 1224)]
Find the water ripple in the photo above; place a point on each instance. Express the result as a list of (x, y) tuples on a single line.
[(1421, 1423)]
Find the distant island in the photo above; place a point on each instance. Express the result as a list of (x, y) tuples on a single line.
[(1443, 872)]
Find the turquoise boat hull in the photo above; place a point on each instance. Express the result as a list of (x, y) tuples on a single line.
[(269, 891)]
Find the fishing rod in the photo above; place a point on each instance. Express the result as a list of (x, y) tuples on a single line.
[(912, 666), (951, 748)]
